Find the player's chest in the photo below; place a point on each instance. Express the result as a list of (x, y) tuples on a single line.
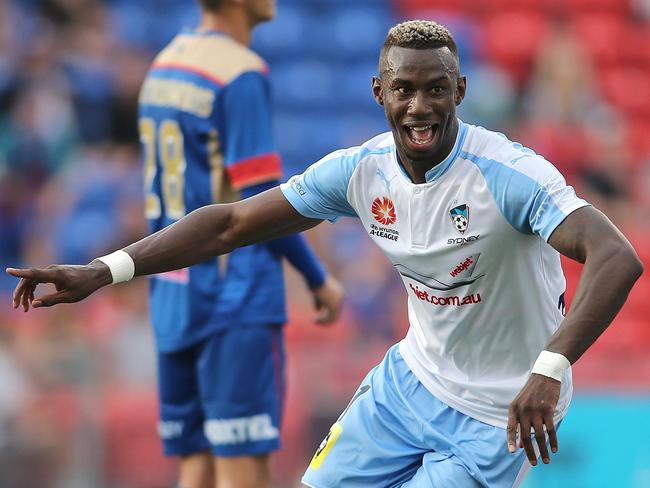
[(449, 221)]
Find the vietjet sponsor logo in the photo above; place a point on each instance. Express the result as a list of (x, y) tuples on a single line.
[(170, 429), (240, 430), (454, 300), (461, 267), (383, 210), (466, 267)]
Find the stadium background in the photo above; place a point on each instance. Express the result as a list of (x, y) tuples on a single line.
[(570, 78)]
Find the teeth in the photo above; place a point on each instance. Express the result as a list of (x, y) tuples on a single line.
[(420, 135)]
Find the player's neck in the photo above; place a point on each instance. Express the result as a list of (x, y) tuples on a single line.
[(417, 169), (232, 22)]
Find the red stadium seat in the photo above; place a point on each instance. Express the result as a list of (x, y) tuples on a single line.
[(638, 138), (601, 35), (572, 270), (636, 48), (478, 8), (561, 145), (494, 6), (512, 40), (627, 88), (620, 7)]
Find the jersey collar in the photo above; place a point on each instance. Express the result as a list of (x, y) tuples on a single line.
[(440, 169)]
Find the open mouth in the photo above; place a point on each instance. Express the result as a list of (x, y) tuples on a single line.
[(421, 135)]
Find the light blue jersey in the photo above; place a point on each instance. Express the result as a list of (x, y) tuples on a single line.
[(485, 293), (485, 290)]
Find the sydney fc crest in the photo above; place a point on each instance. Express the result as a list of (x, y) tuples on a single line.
[(460, 217)]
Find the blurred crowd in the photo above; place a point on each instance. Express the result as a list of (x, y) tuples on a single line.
[(570, 79)]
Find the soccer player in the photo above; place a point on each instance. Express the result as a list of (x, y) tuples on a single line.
[(205, 127), (475, 225)]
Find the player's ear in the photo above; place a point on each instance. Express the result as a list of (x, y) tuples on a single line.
[(377, 92), (461, 87)]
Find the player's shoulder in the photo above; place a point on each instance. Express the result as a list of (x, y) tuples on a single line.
[(493, 152), (214, 55), (377, 147)]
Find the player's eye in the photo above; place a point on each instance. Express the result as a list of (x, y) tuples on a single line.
[(402, 90), (438, 89)]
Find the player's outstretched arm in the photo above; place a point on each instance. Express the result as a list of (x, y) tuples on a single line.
[(611, 267), (206, 232)]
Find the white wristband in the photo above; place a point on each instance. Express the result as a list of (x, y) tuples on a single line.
[(121, 265), (551, 364)]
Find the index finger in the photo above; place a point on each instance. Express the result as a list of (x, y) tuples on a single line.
[(28, 277), (20, 273), (40, 275)]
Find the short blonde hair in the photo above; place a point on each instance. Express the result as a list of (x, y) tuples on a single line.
[(420, 34)]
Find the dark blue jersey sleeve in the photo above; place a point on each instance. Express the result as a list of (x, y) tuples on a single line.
[(246, 132)]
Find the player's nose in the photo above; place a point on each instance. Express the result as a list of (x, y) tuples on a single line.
[(419, 105)]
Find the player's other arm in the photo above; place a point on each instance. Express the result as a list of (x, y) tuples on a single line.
[(206, 232), (611, 267), (327, 292)]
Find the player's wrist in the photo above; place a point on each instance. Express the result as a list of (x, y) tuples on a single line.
[(120, 265), (551, 364)]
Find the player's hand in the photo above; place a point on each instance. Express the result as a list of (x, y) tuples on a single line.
[(328, 299), (534, 407), (72, 283)]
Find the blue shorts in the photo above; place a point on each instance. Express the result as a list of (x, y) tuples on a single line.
[(394, 433), (224, 393)]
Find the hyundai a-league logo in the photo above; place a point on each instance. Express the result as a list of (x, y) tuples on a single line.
[(460, 217), (384, 211)]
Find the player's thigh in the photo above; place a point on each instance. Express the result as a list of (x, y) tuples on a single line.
[(475, 448), (181, 412), (442, 470), (241, 375), (375, 442)]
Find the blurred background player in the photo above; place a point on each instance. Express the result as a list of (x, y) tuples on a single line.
[(205, 128)]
